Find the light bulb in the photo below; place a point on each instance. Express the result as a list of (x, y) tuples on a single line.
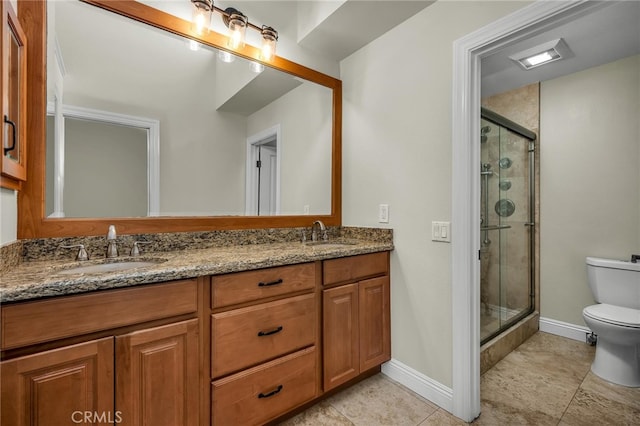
[(201, 19), (237, 29), (269, 39)]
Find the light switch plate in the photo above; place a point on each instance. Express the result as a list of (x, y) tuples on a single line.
[(441, 231)]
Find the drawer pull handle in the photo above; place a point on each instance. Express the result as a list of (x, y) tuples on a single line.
[(273, 392), (276, 282), (270, 332)]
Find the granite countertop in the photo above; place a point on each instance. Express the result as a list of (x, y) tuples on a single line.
[(39, 279)]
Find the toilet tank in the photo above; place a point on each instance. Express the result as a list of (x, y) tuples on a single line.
[(615, 282)]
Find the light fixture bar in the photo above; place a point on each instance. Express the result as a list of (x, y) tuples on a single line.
[(237, 23), (228, 14)]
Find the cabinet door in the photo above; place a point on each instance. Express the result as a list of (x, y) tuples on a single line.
[(14, 111), (59, 387), (157, 375), (340, 335), (375, 333)]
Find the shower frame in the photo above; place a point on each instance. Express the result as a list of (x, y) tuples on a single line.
[(531, 137)]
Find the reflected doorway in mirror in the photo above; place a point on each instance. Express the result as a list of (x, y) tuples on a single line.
[(263, 173)]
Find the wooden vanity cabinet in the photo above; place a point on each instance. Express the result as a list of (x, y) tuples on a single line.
[(139, 365), (356, 316), (264, 340)]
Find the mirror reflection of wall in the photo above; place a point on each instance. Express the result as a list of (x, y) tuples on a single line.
[(105, 170), (114, 64)]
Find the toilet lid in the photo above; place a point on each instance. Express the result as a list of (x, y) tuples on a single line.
[(614, 314)]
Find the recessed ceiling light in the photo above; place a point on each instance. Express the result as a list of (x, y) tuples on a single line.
[(545, 53)]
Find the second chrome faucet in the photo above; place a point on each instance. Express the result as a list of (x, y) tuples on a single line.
[(317, 227)]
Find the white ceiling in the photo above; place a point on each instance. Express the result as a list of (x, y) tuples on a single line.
[(605, 33)]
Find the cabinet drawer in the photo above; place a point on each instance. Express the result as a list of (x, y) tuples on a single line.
[(354, 268), (265, 392), (245, 337), (241, 287), (46, 320)]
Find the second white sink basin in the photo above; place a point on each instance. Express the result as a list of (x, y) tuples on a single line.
[(109, 267)]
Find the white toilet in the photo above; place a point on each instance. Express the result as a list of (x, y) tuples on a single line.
[(615, 285)]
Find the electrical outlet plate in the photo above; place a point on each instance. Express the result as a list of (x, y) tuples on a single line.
[(441, 231)]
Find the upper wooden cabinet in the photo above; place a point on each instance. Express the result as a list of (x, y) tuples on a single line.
[(13, 167)]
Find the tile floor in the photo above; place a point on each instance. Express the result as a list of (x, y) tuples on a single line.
[(545, 381)]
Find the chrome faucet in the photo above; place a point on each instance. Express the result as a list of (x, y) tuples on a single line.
[(112, 248), (82, 252), (318, 226)]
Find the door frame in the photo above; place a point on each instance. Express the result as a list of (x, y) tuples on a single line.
[(251, 188), (465, 241)]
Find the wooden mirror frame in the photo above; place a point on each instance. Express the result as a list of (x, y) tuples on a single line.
[(32, 222)]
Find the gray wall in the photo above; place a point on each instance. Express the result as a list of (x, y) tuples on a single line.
[(397, 151)]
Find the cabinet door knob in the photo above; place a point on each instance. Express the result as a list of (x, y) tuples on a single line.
[(270, 332)]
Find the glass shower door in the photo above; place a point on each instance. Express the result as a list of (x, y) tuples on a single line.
[(506, 235)]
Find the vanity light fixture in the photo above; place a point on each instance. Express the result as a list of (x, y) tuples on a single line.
[(237, 23), (542, 54)]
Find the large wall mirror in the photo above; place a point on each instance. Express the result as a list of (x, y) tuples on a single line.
[(145, 126)]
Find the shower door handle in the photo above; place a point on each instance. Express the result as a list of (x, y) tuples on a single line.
[(494, 227), (530, 224)]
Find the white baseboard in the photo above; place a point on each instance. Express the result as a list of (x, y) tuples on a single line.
[(424, 386), (564, 329)]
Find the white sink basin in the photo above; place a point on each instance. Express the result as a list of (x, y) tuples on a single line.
[(109, 267)]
